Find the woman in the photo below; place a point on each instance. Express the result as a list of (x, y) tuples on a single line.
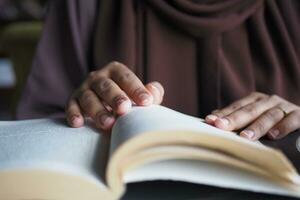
[(240, 58)]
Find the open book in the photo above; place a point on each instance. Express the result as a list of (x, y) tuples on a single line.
[(46, 159)]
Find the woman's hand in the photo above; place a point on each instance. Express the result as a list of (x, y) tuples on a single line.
[(258, 115), (109, 92)]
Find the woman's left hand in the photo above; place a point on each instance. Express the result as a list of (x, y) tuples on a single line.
[(258, 115)]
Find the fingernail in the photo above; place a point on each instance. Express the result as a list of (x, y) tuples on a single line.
[(154, 88), (211, 118), (75, 120), (145, 98), (247, 133), (274, 133), (106, 120), (120, 100), (157, 93), (123, 105)]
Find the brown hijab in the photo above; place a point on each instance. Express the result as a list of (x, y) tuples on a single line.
[(206, 53)]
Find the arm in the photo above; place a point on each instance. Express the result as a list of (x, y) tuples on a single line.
[(61, 60), (61, 66)]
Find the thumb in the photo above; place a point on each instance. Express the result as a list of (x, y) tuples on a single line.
[(157, 91)]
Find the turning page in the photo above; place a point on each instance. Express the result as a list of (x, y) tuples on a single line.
[(138, 135), (152, 118)]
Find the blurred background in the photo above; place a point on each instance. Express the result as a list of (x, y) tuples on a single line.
[(21, 24)]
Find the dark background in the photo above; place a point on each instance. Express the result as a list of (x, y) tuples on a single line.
[(21, 24)]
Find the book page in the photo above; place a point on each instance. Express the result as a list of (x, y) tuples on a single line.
[(150, 118), (155, 126), (50, 145), (158, 118), (207, 173), (217, 169)]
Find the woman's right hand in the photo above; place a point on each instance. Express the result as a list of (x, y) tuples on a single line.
[(109, 92)]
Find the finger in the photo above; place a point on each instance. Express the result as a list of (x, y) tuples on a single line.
[(73, 114), (131, 85), (247, 114), (92, 107), (157, 91), (263, 124), (112, 94), (107, 107), (289, 124), (255, 96)]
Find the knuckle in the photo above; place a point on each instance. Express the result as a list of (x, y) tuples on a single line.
[(233, 118), (258, 95), (116, 64), (119, 99), (138, 91), (273, 97), (251, 110), (86, 94), (268, 116), (235, 105), (101, 113), (126, 77), (86, 98), (219, 113), (103, 85), (91, 77), (259, 126), (281, 105), (273, 114), (92, 74)]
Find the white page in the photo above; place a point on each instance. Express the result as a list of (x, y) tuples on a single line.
[(159, 118), (207, 173), (165, 121), (49, 144)]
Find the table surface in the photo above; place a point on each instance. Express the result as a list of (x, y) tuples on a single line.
[(163, 190)]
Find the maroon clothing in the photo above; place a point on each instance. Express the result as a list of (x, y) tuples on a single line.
[(206, 53)]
